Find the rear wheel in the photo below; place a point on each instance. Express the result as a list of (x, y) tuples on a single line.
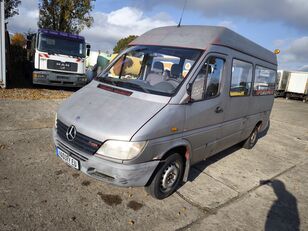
[(167, 178), (252, 139)]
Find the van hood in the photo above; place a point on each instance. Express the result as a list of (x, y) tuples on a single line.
[(104, 115)]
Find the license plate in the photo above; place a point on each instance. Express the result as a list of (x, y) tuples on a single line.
[(67, 159)]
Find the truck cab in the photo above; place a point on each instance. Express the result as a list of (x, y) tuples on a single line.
[(58, 58)]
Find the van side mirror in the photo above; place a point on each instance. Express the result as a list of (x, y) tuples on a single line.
[(196, 89), (28, 45), (189, 88), (88, 49)]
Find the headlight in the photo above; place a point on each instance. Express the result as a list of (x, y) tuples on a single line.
[(121, 149), (56, 118)]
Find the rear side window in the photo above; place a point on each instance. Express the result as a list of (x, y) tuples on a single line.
[(264, 83), (241, 78)]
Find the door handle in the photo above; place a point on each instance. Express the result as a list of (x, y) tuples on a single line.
[(219, 110)]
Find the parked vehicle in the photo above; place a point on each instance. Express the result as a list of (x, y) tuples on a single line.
[(58, 58), (282, 81), (297, 86), (148, 127)]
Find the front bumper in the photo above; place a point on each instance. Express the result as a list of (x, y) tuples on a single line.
[(116, 173), (58, 79)]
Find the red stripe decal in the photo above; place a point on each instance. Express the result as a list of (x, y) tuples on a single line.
[(115, 90)]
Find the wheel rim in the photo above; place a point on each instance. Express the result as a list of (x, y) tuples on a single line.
[(253, 136), (170, 176)]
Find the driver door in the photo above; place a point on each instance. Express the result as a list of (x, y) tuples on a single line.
[(205, 113)]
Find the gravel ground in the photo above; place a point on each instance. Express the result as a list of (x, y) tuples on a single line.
[(34, 94), (38, 191)]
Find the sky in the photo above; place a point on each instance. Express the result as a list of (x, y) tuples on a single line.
[(275, 24)]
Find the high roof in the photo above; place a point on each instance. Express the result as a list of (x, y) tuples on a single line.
[(201, 37)]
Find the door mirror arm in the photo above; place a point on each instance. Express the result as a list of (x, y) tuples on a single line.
[(189, 91), (88, 48)]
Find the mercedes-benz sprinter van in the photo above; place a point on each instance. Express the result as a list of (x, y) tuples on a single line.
[(176, 96)]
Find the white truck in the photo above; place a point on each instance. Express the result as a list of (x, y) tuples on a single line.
[(57, 58), (297, 86), (281, 83)]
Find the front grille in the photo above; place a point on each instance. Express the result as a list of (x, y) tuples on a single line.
[(63, 66), (71, 152), (81, 142)]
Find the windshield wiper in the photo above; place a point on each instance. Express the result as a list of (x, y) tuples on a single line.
[(122, 83), (132, 86)]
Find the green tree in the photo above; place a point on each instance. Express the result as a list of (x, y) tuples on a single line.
[(123, 43), (65, 15), (10, 8)]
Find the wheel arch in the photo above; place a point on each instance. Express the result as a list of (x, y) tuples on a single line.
[(182, 147)]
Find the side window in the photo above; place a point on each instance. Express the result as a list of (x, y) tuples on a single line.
[(241, 78), (207, 82), (264, 81)]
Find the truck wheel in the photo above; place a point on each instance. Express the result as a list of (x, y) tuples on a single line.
[(167, 178), (252, 139)]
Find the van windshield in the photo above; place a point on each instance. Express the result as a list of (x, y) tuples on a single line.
[(151, 69)]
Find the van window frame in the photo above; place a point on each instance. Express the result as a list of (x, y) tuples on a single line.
[(222, 56), (255, 79), (252, 77)]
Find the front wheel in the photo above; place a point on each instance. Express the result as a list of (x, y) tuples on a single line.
[(252, 139), (167, 178)]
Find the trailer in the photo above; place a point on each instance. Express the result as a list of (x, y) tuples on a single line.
[(2, 47), (281, 83), (297, 86)]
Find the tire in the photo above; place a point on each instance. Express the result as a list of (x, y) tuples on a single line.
[(172, 168), (251, 141)]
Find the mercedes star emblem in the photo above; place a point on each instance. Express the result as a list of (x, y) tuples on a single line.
[(71, 133)]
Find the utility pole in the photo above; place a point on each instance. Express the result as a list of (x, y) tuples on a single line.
[(2, 47)]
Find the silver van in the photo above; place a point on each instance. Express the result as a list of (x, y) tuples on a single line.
[(175, 97)]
